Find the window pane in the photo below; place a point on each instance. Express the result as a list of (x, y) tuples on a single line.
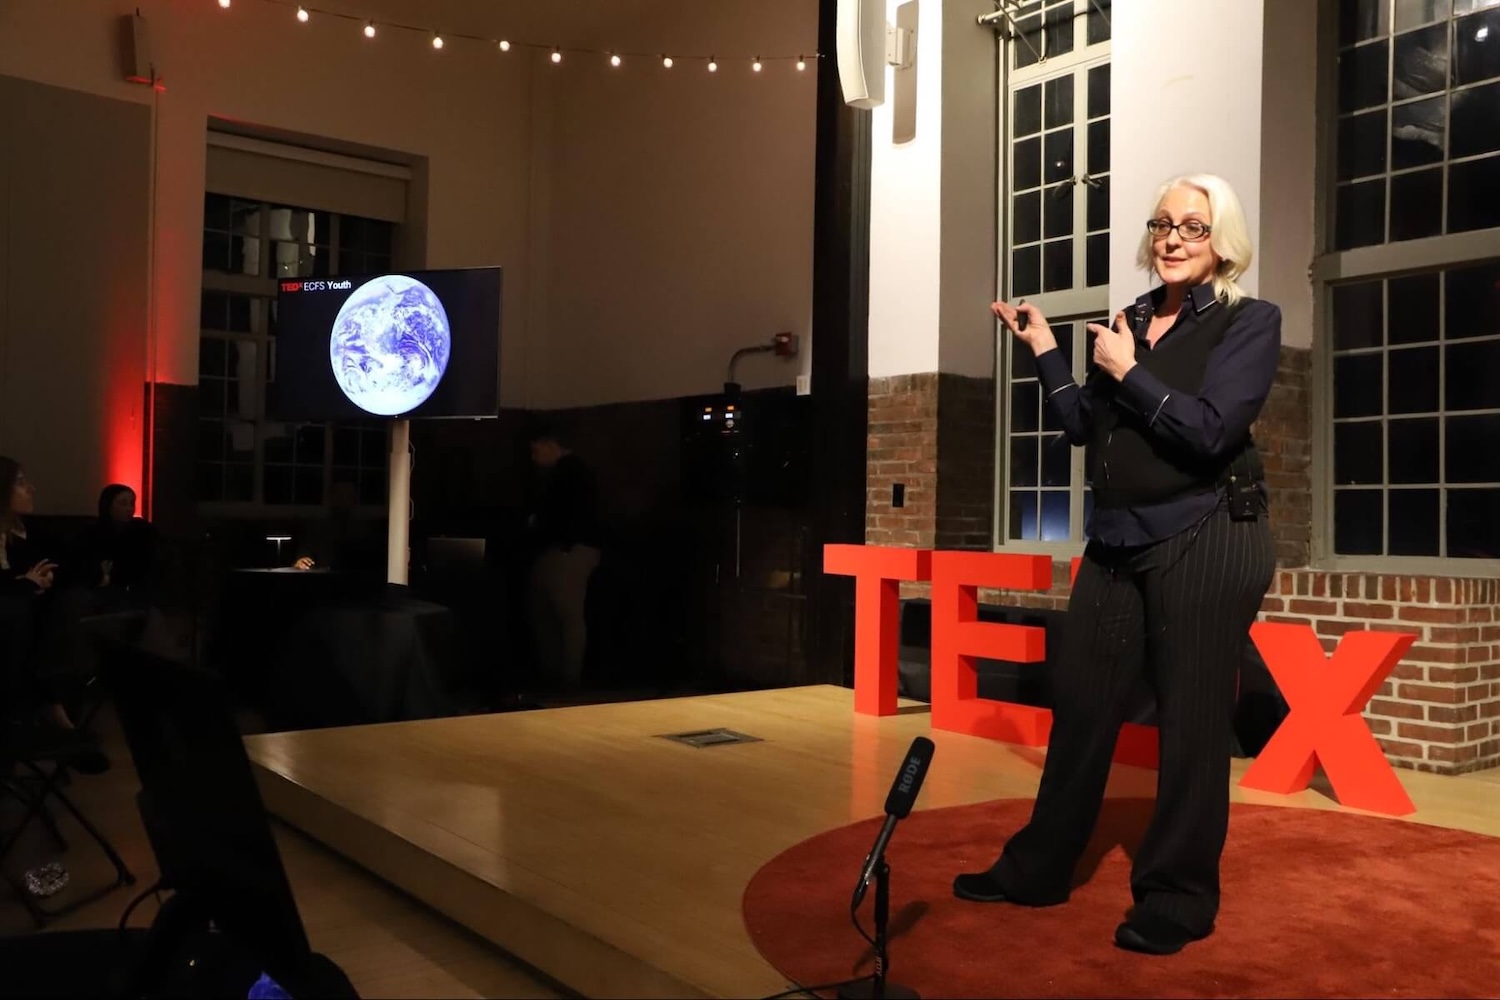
[(1060, 29), (1055, 507), (1025, 459), (1357, 379), (210, 482), (1022, 361), (1098, 158), (1414, 309), (1473, 301), (1471, 195), (278, 484), (1472, 455), (1098, 100), (1362, 76), (372, 487), (1473, 529), (1362, 145), (239, 483), (1026, 220), (1057, 266), (1413, 380), (1414, 13), (239, 313), (1026, 271), (1098, 205), (216, 212), (1421, 62), (1028, 112), (1096, 253), (1476, 47), (1025, 406), (1023, 520), (1417, 133), (1058, 101), (1417, 205), (1414, 523), (216, 252), (1476, 121), (1362, 19), (1414, 451), (346, 446), (308, 485), (211, 357), (1057, 163), (1360, 214), (211, 397), (1472, 382), (1357, 522), (1357, 453), (1057, 213), (310, 444), (1026, 166), (1357, 315), (1057, 461), (1099, 21), (1028, 43)]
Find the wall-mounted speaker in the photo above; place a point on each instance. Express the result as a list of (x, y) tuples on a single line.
[(861, 32), (135, 50)]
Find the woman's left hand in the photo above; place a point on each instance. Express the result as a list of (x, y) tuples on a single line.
[(1114, 350)]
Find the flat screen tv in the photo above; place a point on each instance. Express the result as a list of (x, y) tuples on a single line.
[(416, 344)]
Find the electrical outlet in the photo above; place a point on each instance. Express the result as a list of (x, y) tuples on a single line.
[(804, 385), (898, 495)]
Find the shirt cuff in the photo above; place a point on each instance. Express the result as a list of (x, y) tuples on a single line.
[(1143, 392), (1054, 370)]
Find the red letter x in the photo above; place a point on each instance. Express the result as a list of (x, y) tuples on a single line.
[(1326, 696)]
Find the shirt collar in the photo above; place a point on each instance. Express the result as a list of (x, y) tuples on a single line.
[(1202, 296)]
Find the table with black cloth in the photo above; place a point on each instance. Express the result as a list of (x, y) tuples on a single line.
[(314, 648)]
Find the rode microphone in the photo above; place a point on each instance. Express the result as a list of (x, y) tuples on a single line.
[(897, 806)]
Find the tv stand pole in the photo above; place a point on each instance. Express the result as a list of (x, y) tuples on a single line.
[(398, 505)]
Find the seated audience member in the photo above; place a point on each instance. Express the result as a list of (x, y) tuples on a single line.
[(29, 623), (117, 550), (339, 541)]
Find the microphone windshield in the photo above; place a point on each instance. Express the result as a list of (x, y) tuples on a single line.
[(909, 779)]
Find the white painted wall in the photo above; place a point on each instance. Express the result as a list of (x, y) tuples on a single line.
[(680, 225), (1186, 98), (906, 216)]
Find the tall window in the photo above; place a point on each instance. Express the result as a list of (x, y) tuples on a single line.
[(1412, 281), (1055, 249), (243, 459)]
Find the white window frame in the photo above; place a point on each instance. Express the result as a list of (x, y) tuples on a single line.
[(1365, 263), (1078, 306)]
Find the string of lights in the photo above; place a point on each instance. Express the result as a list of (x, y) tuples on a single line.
[(373, 27)]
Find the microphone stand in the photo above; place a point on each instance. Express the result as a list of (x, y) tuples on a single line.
[(878, 987)]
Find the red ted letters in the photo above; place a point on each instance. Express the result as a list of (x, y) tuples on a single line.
[(1326, 696)]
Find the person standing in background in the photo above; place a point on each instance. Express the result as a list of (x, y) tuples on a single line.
[(567, 540)]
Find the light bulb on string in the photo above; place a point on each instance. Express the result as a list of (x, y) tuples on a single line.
[(666, 62), (556, 56), (614, 60), (370, 30), (801, 64), (713, 65), (224, 4), (504, 45), (437, 41), (302, 14), (756, 65)]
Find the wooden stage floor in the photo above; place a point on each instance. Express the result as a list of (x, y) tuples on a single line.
[(614, 861)]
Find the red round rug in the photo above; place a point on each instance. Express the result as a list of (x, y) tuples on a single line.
[(1316, 904)]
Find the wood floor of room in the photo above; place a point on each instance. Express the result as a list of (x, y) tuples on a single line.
[(390, 944), (614, 860)]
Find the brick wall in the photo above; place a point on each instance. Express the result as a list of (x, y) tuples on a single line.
[(1440, 709), (1283, 439), (934, 434)]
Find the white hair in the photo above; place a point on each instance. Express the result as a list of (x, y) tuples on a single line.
[(1229, 236)]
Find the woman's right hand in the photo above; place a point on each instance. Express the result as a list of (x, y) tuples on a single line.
[(1037, 335), (41, 574)]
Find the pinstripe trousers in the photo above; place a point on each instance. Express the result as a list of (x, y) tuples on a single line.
[(1180, 610)]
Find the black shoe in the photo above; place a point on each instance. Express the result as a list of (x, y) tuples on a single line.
[(979, 888), (1150, 934)]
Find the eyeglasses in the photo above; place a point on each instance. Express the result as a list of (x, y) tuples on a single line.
[(1191, 231)]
